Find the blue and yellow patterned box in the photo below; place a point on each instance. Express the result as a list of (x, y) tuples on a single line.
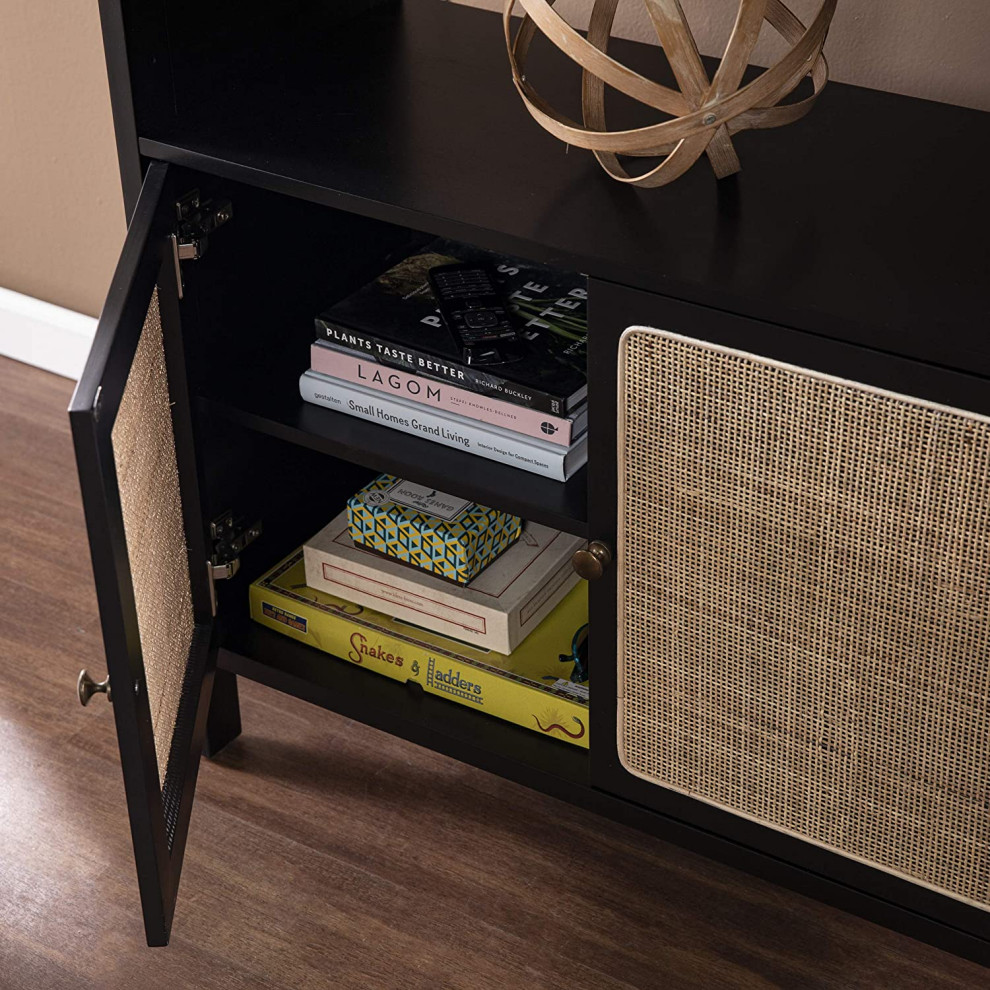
[(445, 535)]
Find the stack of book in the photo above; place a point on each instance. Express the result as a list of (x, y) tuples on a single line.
[(530, 687), (472, 603), (385, 354)]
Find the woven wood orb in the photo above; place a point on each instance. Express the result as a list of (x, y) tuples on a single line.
[(704, 113)]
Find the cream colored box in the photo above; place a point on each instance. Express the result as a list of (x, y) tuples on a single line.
[(496, 611)]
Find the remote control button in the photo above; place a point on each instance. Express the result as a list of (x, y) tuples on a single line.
[(480, 318)]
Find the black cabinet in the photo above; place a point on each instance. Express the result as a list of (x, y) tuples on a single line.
[(338, 141)]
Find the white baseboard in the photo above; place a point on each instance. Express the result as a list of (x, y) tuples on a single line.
[(43, 334)]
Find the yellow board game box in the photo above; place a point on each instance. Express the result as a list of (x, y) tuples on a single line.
[(529, 687)]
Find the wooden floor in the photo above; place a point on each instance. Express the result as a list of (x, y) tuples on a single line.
[(325, 854)]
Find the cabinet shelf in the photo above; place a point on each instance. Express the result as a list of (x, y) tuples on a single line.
[(282, 414), (419, 125), (402, 710)]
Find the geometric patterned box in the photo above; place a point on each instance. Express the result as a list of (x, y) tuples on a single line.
[(448, 536), (495, 611)]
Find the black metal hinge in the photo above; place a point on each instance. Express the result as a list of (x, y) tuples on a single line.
[(228, 537), (195, 220)]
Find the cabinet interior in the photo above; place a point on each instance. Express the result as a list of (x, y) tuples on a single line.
[(247, 325)]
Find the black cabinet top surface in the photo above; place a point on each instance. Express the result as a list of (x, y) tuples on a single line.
[(867, 221)]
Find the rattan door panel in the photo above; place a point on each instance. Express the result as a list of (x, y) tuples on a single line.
[(130, 423), (151, 508), (803, 606)]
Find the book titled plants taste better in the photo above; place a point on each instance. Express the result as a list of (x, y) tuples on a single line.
[(394, 320)]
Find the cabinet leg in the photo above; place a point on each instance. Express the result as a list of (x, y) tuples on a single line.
[(223, 723)]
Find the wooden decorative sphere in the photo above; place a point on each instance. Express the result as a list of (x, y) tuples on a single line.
[(705, 112)]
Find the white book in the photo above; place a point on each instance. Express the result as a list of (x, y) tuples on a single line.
[(492, 442), (496, 611)]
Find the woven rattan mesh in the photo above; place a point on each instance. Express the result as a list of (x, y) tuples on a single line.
[(805, 593), (147, 474)]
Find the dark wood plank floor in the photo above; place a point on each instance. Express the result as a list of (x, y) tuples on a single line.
[(326, 854)]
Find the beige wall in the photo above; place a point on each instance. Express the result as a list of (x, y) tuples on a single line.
[(61, 219), (934, 50), (61, 216)]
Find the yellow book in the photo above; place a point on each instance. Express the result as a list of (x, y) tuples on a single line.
[(529, 687)]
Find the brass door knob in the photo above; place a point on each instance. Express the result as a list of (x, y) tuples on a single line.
[(86, 687), (590, 561)]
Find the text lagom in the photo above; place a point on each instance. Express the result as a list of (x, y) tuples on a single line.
[(411, 385)]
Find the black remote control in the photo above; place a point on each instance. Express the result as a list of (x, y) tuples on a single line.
[(472, 308)]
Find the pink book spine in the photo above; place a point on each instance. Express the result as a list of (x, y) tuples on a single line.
[(440, 395)]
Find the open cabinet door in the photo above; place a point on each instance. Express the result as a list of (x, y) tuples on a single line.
[(132, 434)]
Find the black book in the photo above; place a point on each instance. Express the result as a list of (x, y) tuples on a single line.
[(394, 321)]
